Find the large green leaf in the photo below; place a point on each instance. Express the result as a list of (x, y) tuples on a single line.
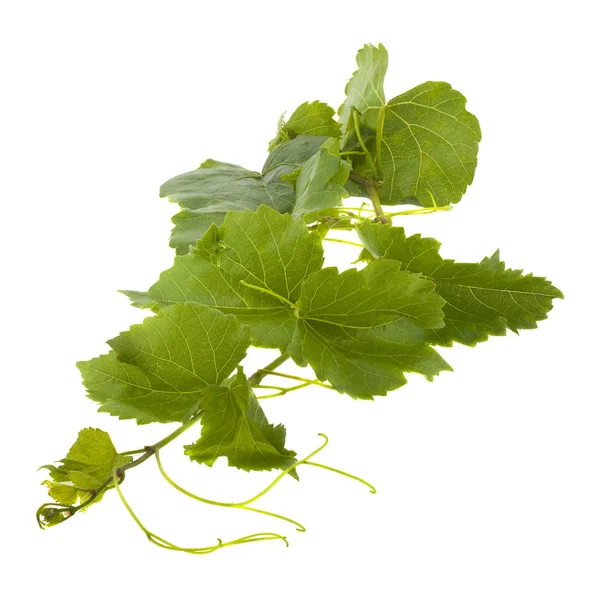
[(252, 267), (209, 192), (157, 370), (364, 91), (234, 425), (482, 299), (427, 146), (310, 118), (363, 330)]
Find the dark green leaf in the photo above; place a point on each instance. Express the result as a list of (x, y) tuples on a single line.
[(482, 299), (320, 184), (157, 370), (209, 192), (234, 425), (310, 118), (427, 146), (364, 91), (362, 330), (252, 267)]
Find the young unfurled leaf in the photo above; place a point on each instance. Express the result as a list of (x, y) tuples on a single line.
[(209, 192), (427, 146), (157, 370), (362, 330), (88, 464), (244, 268), (320, 183), (234, 425), (482, 299), (310, 118), (364, 91)]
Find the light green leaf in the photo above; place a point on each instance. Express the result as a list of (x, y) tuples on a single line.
[(251, 267), (310, 118), (88, 464), (234, 425), (482, 299), (157, 370), (364, 91), (320, 183), (362, 330), (62, 493), (209, 192), (427, 146)]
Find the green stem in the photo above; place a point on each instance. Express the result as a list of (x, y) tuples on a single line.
[(297, 378), (371, 188), (161, 542), (343, 242), (420, 211), (285, 472), (257, 377), (339, 472), (148, 451), (362, 143), (299, 526), (283, 391)]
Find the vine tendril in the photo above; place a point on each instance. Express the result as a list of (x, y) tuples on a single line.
[(163, 543)]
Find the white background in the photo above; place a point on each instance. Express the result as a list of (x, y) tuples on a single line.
[(488, 479)]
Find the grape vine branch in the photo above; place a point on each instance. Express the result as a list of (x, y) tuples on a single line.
[(249, 271)]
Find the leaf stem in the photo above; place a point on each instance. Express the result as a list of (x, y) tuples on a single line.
[(343, 242), (297, 378), (362, 143), (257, 377), (283, 391), (371, 188), (420, 211)]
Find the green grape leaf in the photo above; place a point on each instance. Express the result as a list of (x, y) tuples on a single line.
[(363, 330), (320, 184), (63, 493), (310, 118), (482, 299), (251, 267), (157, 370), (88, 464), (209, 192), (427, 146), (234, 425), (364, 91), (290, 156)]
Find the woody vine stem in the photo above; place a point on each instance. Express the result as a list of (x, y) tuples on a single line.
[(48, 513)]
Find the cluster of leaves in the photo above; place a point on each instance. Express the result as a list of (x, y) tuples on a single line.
[(249, 272)]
